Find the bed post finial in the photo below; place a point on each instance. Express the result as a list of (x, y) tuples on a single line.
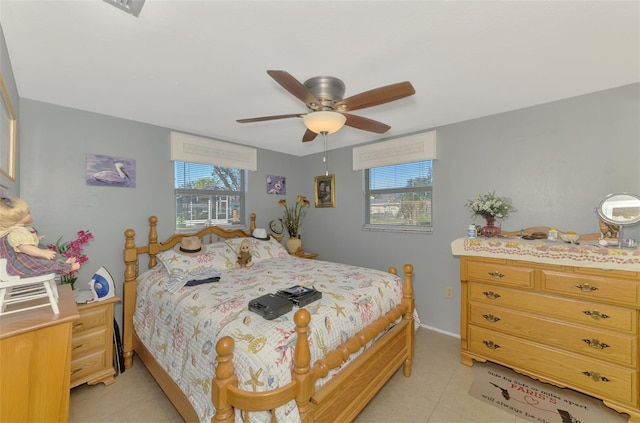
[(224, 377), (301, 362), (252, 226)]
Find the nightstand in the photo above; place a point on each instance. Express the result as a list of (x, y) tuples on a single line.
[(300, 253), (92, 344)]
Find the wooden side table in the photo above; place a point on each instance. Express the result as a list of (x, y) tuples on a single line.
[(35, 351), (302, 254), (92, 353)]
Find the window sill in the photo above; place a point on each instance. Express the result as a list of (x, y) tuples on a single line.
[(404, 229)]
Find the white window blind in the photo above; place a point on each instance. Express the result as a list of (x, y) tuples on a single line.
[(194, 149), (408, 149)]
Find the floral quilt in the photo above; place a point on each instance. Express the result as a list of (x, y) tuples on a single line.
[(181, 329)]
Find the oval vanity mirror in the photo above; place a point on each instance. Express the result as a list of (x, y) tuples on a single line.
[(620, 209)]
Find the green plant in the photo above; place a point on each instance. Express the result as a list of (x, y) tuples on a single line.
[(293, 215)]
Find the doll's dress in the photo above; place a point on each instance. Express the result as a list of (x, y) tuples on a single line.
[(24, 265)]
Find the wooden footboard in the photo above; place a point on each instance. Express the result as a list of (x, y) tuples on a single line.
[(340, 399), (348, 392)]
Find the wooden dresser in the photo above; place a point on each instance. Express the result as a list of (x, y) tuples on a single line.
[(35, 352), (564, 314), (92, 346)]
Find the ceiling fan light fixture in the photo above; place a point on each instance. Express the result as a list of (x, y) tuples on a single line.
[(324, 121)]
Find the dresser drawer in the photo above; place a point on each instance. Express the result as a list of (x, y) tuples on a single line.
[(594, 377), (93, 317), (87, 365), (604, 345), (592, 288), (599, 315), (89, 340), (502, 274)]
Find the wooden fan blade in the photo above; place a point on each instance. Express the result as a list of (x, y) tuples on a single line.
[(295, 87), (309, 136), (263, 118), (366, 124), (376, 96)]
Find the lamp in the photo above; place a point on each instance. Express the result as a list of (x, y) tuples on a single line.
[(324, 121)]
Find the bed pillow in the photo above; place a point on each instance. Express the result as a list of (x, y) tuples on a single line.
[(218, 256), (260, 250)]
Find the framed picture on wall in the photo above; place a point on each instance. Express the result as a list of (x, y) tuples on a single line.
[(325, 189), (276, 185), (110, 171), (8, 125)]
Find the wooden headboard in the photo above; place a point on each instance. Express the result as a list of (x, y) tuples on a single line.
[(207, 235)]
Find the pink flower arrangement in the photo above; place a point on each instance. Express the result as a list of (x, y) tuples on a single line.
[(72, 249)]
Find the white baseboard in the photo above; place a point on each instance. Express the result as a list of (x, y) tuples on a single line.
[(455, 335)]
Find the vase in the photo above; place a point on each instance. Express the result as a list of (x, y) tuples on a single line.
[(490, 229), (293, 244)]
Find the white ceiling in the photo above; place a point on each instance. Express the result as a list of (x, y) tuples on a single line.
[(197, 66)]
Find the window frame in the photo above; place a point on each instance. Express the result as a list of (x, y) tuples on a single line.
[(368, 193), (241, 194)]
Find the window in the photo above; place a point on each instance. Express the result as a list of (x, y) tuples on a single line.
[(208, 195), (398, 197)]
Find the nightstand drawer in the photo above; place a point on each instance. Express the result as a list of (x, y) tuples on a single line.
[(87, 365), (88, 340), (92, 318)]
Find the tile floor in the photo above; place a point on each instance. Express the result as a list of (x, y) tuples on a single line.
[(435, 393)]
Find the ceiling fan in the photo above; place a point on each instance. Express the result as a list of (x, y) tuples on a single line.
[(323, 96)]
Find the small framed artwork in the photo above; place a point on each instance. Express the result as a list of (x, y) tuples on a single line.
[(108, 171), (276, 185), (325, 189), (8, 125)]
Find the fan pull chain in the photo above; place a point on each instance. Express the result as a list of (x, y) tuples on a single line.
[(324, 159)]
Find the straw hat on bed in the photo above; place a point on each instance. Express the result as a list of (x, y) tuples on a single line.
[(190, 246), (261, 234)]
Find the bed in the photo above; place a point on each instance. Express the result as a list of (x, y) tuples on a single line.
[(217, 361)]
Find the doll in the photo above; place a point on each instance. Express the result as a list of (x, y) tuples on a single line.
[(244, 255), (19, 243)]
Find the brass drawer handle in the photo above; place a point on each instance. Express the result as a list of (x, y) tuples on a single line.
[(596, 314), (77, 346), (76, 371), (491, 318), (491, 345), (596, 344), (496, 275), (585, 287), (75, 325), (596, 376), (491, 295)]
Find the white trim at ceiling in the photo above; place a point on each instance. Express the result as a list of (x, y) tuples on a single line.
[(194, 149), (408, 149)]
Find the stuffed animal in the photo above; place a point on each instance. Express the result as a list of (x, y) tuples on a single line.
[(244, 254), (19, 243)]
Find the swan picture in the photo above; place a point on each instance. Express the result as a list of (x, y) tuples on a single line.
[(110, 171)]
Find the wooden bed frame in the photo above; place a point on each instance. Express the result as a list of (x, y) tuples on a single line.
[(340, 399)]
